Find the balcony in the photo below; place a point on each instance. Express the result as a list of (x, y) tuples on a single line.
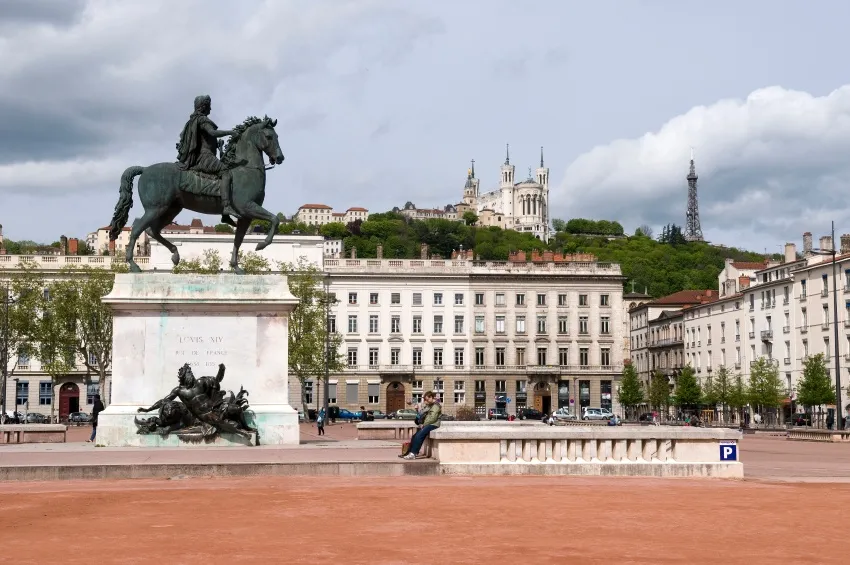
[(752, 307), (737, 364), (665, 342), (722, 340), (802, 297), (825, 325), (767, 335), (785, 301), (824, 293), (804, 329), (708, 342), (752, 335), (787, 361), (786, 329), (738, 337)]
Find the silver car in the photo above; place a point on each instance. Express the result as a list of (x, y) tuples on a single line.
[(596, 414)]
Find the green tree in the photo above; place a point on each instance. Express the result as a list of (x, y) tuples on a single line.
[(766, 389), (308, 328), (659, 392), (24, 292), (334, 230), (223, 228), (84, 249), (738, 395), (55, 340), (211, 263), (558, 225), (631, 390), (721, 390), (470, 218), (688, 391), (815, 388)]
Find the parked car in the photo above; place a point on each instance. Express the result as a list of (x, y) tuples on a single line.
[(645, 417), (564, 414), (529, 413), (596, 414), (377, 415), (497, 414), (802, 420), (78, 418), (347, 414), (36, 418), (403, 414)]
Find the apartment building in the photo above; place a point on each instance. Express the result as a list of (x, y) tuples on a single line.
[(487, 334), (321, 214)]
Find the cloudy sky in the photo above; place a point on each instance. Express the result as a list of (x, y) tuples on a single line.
[(384, 101)]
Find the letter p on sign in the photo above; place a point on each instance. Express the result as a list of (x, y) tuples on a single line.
[(728, 452)]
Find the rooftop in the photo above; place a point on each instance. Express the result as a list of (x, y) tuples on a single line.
[(468, 267)]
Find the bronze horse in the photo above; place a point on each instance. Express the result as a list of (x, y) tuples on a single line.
[(165, 191)]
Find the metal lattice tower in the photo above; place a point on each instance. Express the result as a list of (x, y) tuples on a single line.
[(693, 229)]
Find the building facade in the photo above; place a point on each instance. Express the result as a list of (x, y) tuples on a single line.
[(487, 335), (321, 214)]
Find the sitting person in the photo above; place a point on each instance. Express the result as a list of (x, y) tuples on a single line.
[(430, 416)]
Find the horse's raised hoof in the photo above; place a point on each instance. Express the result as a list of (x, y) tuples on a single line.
[(175, 258), (260, 246)]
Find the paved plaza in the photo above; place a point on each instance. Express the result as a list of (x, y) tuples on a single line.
[(385, 519)]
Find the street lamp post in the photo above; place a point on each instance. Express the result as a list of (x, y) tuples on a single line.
[(838, 409), (4, 348)]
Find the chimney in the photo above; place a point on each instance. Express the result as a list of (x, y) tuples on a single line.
[(380, 251), (845, 243), (423, 251), (354, 253), (63, 244), (807, 244), (743, 282), (826, 243), (73, 246), (791, 252)]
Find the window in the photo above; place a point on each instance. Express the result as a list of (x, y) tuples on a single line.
[(520, 324), (331, 324), (92, 390), (395, 324), (583, 356), (802, 289), (373, 298), (521, 387), (605, 325), (45, 393), (480, 386), (605, 389), (500, 324), (541, 356), (603, 300), (541, 299), (373, 324), (352, 298), (417, 324), (417, 299), (479, 356), (541, 324), (582, 300), (500, 356), (520, 300), (520, 356), (562, 300), (395, 355), (458, 299), (438, 324), (458, 358), (395, 298), (352, 324), (459, 325), (373, 390), (479, 324), (308, 392), (417, 385), (582, 325), (563, 325), (501, 386), (352, 392), (417, 357), (438, 389), (460, 392), (605, 357), (22, 393), (500, 299), (438, 357), (373, 357), (479, 298), (563, 356), (438, 298), (352, 357)]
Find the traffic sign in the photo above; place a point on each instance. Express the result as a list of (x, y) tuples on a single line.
[(728, 451)]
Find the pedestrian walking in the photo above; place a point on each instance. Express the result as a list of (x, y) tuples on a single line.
[(320, 422), (98, 408)]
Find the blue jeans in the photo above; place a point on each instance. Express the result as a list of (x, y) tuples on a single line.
[(93, 432), (419, 438)]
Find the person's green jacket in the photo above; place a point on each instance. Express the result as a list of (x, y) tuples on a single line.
[(433, 415)]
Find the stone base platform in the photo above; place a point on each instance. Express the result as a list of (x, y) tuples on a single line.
[(832, 436), (695, 470), (33, 433)]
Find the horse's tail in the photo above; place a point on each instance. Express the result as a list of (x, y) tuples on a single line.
[(125, 202)]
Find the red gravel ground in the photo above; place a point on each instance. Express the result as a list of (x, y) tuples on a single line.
[(423, 520)]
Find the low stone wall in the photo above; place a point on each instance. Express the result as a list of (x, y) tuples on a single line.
[(834, 436), (386, 429), (499, 449), (33, 433)]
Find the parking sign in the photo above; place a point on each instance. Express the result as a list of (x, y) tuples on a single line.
[(728, 451)]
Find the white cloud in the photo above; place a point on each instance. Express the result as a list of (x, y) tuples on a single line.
[(770, 167)]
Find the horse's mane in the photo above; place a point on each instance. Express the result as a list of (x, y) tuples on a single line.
[(229, 157)]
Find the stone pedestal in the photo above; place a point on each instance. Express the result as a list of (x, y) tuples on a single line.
[(162, 321)]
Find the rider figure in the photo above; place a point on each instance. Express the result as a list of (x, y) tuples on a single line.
[(196, 151)]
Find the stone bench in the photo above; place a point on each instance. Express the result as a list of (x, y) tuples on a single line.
[(834, 436), (386, 429), (470, 448), (33, 433)]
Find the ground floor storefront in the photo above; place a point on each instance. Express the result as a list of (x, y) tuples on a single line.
[(483, 392), (36, 393)]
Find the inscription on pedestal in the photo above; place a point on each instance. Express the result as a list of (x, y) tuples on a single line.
[(194, 348)]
